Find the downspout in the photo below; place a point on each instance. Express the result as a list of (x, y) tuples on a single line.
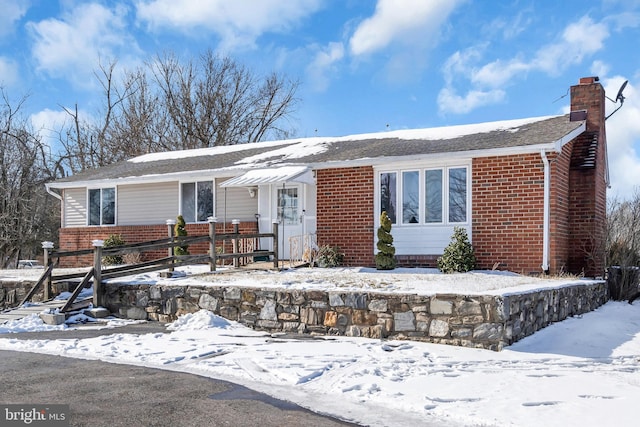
[(545, 226)]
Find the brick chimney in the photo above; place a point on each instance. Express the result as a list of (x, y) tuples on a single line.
[(588, 181), (588, 96)]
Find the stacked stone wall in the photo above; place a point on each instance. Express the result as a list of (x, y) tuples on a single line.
[(488, 321)]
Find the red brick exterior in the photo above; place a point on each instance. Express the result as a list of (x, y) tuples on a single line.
[(588, 182), (346, 212), (77, 238), (507, 200), (508, 191)]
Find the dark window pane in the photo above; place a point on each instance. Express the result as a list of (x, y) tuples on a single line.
[(433, 195), (205, 200), (458, 195), (94, 207), (288, 206), (388, 193), (189, 202), (108, 206), (410, 197)]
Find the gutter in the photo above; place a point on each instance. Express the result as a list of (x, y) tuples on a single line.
[(546, 220), (53, 193)]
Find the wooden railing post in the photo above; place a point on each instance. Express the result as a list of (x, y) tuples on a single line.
[(236, 226), (170, 231), (212, 242), (97, 272), (276, 263), (46, 247)]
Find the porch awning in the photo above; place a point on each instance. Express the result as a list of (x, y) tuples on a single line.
[(256, 177)]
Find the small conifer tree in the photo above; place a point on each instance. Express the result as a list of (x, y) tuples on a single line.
[(386, 256), (458, 256), (180, 231)]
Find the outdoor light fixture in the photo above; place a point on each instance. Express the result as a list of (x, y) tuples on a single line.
[(252, 191)]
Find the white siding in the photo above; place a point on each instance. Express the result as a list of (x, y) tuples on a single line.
[(75, 207), (239, 204), (419, 239), (143, 204)]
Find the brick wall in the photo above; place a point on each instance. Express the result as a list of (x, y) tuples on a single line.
[(559, 230), (507, 200), (76, 238), (345, 212)]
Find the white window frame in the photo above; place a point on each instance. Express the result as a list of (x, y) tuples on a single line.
[(423, 194), (115, 206), (445, 168), (213, 195), (401, 196), (448, 198), (378, 189)]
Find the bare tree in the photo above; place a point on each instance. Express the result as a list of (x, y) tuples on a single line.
[(217, 101), (623, 246), (24, 168), (169, 105)]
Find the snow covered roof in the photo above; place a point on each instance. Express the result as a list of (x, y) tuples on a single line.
[(271, 176), (484, 139)]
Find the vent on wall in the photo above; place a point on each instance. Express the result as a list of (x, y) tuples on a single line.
[(577, 116), (585, 152)]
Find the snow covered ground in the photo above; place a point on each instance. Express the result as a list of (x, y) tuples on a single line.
[(583, 371)]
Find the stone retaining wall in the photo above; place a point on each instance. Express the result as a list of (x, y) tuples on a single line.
[(490, 322)]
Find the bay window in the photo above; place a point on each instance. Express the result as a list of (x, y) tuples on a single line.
[(427, 196)]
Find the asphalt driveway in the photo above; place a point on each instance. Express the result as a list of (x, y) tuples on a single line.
[(107, 394)]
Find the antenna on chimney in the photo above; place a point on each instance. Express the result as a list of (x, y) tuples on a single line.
[(619, 97)]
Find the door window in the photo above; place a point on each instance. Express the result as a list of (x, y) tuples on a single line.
[(288, 206)]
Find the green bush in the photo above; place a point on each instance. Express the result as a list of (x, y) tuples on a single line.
[(111, 241), (329, 256), (458, 256), (386, 256), (180, 231)]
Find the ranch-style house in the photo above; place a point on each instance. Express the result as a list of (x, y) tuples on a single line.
[(530, 193)]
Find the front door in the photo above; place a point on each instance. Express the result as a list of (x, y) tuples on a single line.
[(289, 214)]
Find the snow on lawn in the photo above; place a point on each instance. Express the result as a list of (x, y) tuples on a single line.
[(582, 371), (421, 281)]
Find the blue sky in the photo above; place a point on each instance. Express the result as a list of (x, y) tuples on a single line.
[(364, 65)]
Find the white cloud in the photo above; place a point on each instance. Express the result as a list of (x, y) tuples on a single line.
[(449, 101), (599, 68), (405, 21), (577, 41), (498, 73), (623, 138), (324, 62), (47, 122), (8, 71), (12, 11), (238, 23), (460, 63), (71, 46)]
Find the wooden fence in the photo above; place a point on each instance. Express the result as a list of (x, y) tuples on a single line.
[(97, 272)]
